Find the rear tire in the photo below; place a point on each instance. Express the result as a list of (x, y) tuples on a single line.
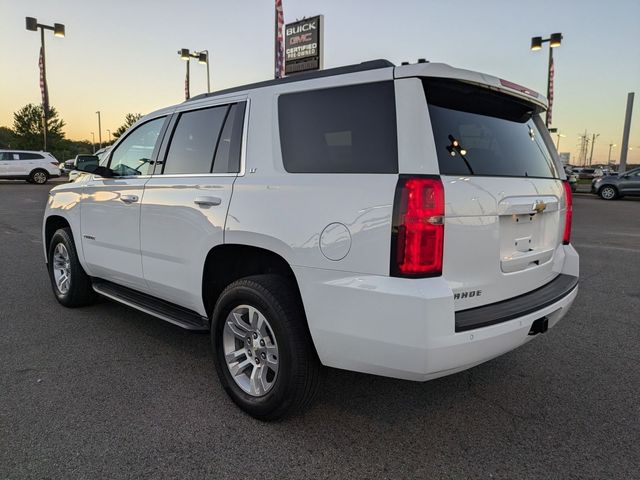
[(39, 176), (608, 192), (259, 332), (71, 285)]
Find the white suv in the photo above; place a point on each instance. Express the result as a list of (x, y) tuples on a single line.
[(406, 221), (34, 167)]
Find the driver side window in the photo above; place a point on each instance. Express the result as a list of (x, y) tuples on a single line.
[(134, 153)]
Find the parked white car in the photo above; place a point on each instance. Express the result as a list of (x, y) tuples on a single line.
[(408, 221), (32, 166)]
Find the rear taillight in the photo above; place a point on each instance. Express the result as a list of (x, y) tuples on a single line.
[(568, 212), (55, 164), (417, 237)]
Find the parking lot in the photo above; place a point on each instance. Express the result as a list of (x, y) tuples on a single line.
[(108, 392)]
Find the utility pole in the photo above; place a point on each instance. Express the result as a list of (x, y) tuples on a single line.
[(99, 130), (584, 148), (624, 148), (593, 142), (611, 145)]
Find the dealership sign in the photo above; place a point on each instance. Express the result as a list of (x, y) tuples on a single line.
[(303, 45)]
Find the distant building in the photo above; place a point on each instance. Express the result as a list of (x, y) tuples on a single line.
[(565, 157)]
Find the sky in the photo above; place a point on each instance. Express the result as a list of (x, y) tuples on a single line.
[(121, 56)]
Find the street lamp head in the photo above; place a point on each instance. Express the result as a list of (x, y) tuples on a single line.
[(184, 53), (32, 24), (536, 43), (58, 30), (202, 57), (555, 40)]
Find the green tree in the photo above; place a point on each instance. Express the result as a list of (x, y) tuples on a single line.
[(27, 128), (7, 137), (129, 120)]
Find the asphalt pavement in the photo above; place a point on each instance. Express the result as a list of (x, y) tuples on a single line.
[(108, 392)]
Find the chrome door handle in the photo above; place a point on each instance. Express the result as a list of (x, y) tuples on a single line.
[(129, 198), (207, 201)]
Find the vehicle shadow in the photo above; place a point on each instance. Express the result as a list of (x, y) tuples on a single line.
[(345, 395)]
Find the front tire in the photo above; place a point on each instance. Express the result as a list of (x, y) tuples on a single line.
[(608, 192), (39, 177), (263, 352), (71, 285)]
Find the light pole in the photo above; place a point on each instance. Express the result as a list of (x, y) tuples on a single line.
[(611, 145), (99, 130), (203, 58), (58, 31), (560, 135), (536, 44), (93, 142)]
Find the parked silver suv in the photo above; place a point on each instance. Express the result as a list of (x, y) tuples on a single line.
[(615, 186)]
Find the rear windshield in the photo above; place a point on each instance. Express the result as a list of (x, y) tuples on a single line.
[(482, 132)]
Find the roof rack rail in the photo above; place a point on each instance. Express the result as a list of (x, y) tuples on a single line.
[(358, 67)]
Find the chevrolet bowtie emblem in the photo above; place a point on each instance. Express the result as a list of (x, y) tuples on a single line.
[(539, 206)]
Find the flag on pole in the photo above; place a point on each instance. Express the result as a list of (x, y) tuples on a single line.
[(279, 43), (550, 99), (43, 84)]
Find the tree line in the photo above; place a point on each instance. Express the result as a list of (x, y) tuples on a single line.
[(26, 133)]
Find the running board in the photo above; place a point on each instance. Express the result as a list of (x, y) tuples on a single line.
[(166, 311)]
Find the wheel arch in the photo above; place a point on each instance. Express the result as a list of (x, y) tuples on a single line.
[(227, 263), (39, 169), (52, 224)]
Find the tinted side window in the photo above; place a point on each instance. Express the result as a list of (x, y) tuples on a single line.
[(133, 154), (228, 152), (348, 129), (194, 140), (30, 156)]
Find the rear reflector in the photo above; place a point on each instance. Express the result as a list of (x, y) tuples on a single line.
[(417, 237), (568, 204)]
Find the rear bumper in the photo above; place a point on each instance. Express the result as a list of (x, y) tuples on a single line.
[(405, 328), (531, 302)]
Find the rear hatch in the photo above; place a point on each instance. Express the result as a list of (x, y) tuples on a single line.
[(504, 197)]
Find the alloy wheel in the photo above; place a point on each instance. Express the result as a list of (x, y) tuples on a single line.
[(40, 177), (250, 350), (62, 268), (608, 193)]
